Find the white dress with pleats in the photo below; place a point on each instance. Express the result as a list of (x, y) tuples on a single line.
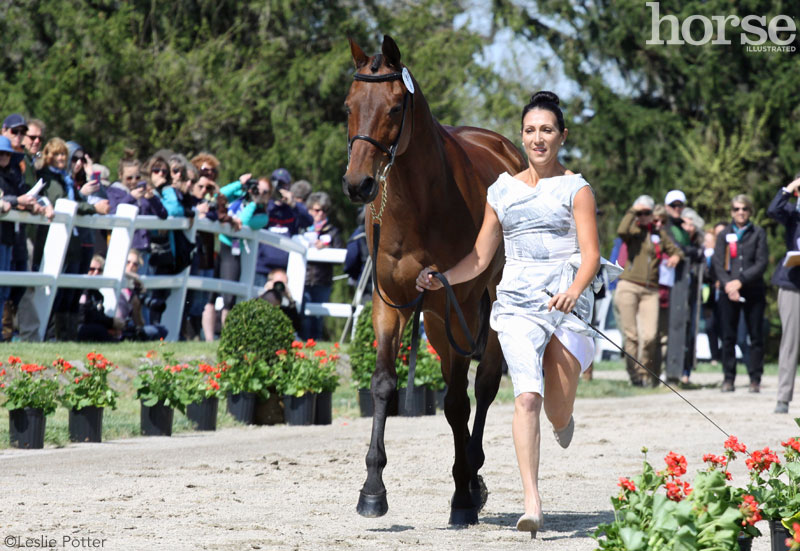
[(541, 247)]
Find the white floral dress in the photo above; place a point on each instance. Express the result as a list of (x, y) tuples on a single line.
[(541, 247)]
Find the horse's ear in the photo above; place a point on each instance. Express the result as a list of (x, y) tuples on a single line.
[(359, 57), (391, 52)]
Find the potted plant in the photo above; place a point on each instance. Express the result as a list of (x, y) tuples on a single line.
[(308, 379), (776, 485), (160, 393), (85, 394), (659, 510), (202, 386), (253, 331), (31, 392), (363, 350), (299, 381)]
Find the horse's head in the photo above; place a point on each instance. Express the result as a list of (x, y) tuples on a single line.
[(379, 112)]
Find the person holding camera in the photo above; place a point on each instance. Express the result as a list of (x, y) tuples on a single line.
[(131, 301), (287, 217), (319, 275), (93, 323), (276, 292), (134, 190), (247, 206)]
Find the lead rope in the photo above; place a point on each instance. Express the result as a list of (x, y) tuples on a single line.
[(548, 293)]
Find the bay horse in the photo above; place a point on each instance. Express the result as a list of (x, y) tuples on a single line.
[(432, 180)]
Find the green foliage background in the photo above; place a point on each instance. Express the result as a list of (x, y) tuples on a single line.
[(261, 84)]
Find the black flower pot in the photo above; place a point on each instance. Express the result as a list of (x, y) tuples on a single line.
[(241, 406), (299, 410), (366, 406), (745, 543), (203, 414), (26, 428), (778, 534), (430, 401), (86, 424), (269, 411), (323, 409), (365, 402), (417, 401), (440, 398), (156, 420)]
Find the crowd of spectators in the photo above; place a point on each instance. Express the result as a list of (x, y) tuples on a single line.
[(167, 184), (677, 270)]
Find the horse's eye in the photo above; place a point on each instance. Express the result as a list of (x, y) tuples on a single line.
[(396, 109)]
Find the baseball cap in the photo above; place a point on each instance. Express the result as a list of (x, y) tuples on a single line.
[(282, 175), (5, 146), (675, 195), (14, 120)]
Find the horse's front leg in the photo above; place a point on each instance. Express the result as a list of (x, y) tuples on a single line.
[(372, 500)]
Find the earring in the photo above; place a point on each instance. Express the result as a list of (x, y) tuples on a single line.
[(562, 143)]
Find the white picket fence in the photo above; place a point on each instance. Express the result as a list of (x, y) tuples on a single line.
[(122, 225)]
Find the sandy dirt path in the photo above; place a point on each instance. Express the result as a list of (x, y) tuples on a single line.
[(290, 488)]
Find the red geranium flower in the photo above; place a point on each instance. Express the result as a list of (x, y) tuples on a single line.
[(626, 484), (676, 464)]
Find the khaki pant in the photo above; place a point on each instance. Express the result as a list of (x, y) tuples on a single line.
[(638, 319), (789, 310)]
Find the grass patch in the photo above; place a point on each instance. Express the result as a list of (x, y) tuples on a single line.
[(124, 421)]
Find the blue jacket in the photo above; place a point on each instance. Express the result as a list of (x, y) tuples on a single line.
[(786, 213), (250, 213), (288, 221)]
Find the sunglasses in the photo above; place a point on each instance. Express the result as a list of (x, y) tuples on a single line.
[(740, 209), (19, 130), (34, 138), (208, 172), (676, 205), (95, 269), (77, 158), (158, 170), (644, 212), (176, 170)]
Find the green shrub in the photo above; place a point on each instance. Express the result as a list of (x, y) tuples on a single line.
[(254, 330), (363, 349)]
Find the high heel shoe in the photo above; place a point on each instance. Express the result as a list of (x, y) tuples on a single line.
[(530, 523), (564, 436)]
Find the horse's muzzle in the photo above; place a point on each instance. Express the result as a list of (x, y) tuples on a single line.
[(360, 191)]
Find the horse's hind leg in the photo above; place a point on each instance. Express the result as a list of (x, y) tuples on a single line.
[(487, 382), (456, 409)]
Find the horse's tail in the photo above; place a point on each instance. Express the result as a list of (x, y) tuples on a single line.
[(484, 310)]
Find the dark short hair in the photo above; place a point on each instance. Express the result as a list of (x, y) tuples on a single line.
[(548, 101)]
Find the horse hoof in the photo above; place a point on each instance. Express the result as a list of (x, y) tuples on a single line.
[(372, 506), (479, 493), (463, 517)]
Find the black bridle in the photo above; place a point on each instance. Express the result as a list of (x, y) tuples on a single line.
[(391, 150)]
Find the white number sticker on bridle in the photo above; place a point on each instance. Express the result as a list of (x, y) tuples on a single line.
[(407, 80)]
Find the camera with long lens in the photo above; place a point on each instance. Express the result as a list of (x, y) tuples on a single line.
[(154, 304), (251, 186), (277, 186)]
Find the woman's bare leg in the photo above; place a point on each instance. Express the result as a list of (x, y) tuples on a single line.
[(561, 375), (527, 436)]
